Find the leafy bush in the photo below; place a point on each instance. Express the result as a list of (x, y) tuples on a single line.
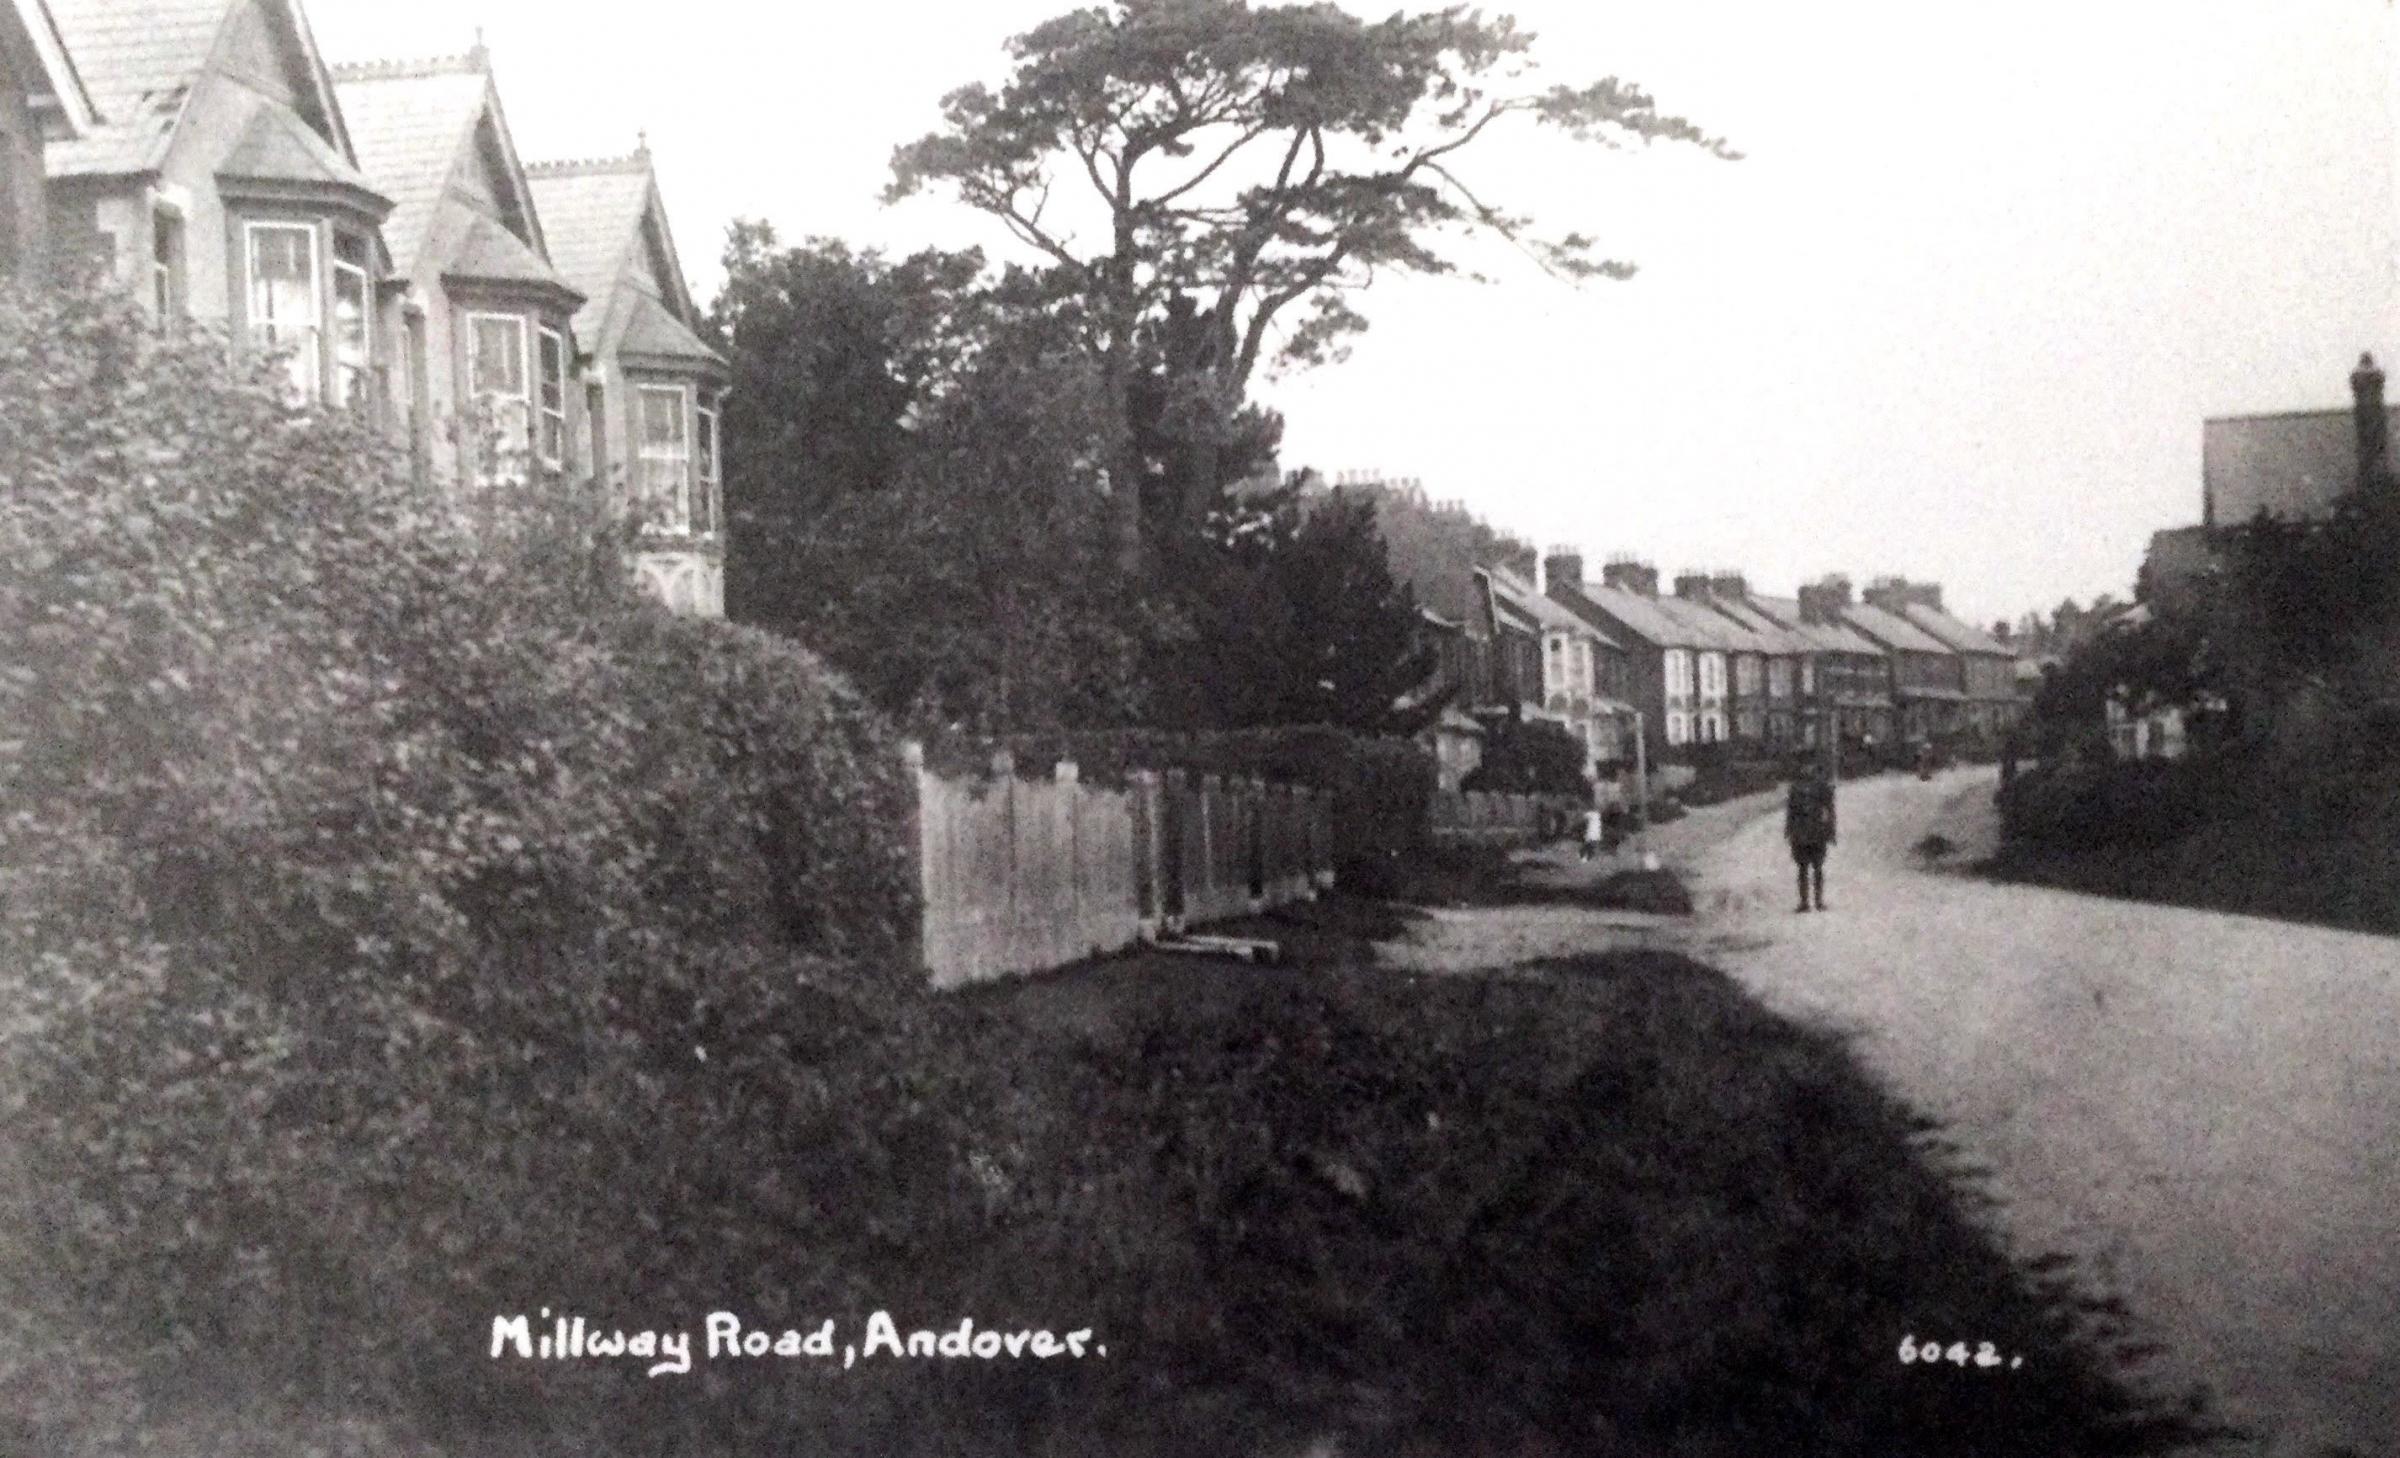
[(1532, 756), (377, 878)]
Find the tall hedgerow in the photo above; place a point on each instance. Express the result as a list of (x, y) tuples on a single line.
[(377, 870)]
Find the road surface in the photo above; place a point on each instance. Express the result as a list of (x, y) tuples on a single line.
[(2204, 1108)]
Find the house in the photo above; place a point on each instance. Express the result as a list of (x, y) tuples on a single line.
[(1756, 660), (1582, 671), (652, 387), (1853, 673), (1989, 666), (481, 385), (41, 99), (1675, 669), (1454, 738), (2295, 465), (1790, 664), (217, 181), (1929, 678)]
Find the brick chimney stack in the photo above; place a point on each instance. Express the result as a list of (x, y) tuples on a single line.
[(1822, 602), (1732, 586), (2367, 414), (1562, 569), (1629, 574), (1693, 586)]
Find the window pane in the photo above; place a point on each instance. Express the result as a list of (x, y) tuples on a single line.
[(283, 296), (665, 461), (350, 343), (553, 388), (499, 356)]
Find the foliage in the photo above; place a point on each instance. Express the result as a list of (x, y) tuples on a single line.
[(1290, 615), (373, 877), (2312, 601), (1245, 161), (1530, 756), (2166, 661)]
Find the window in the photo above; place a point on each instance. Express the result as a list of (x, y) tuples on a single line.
[(166, 266), (1679, 674), (353, 352), (666, 460), (284, 303), (498, 384), (552, 442), (709, 509), (1712, 675), (1679, 729)]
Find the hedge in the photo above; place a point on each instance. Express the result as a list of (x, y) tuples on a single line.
[(375, 880)]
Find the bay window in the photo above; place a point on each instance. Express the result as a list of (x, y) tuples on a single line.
[(285, 310), (709, 507), (552, 432), (500, 386), (665, 459), (352, 320)]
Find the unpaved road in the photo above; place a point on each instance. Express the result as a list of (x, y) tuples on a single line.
[(2204, 1107)]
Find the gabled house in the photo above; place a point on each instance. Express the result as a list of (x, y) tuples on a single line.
[(1580, 676), (218, 181), (1989, 665), (1929, 684), (652, 387), (484, 368), (1675, 671), (1788, 664), (1747, 652), (41, 100), (1852, 673)]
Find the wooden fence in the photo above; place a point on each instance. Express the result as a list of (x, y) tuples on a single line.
[(1022, 875), (1488, 817)]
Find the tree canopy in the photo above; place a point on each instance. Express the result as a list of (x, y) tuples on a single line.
[(1235, 162)]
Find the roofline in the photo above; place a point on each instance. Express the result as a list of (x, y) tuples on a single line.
[(319, 76), (57, 63), (2342, 411)]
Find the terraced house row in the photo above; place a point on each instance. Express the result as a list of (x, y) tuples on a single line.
[(515, 324), (1711, 662)]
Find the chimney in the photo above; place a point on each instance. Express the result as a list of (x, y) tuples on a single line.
[(2002, 631), (2367, 414), (1731, 586), (1822, 602), (1628, 574), (1563, 568), (1692, 586)]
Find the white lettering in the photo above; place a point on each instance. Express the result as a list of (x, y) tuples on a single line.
[(880, 1329), (1076, 1339), (724, 1334), (516, 1329), (678, 1348)]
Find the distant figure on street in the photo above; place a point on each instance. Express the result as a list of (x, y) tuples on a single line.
[(1808, 826), (1592, 825)]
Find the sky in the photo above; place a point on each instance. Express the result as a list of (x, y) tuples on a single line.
[(1957, 314)]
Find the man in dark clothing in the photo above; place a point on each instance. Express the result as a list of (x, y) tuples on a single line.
[(1808, 826)]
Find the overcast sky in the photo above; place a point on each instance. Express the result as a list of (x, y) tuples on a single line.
[(1958, 314)]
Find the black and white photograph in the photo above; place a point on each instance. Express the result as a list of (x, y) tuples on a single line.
[(1202, 728)]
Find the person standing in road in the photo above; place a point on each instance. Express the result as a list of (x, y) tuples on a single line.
[(1591, 832), (1808, 827)]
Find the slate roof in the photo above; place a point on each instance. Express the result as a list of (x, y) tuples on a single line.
[(276, 146), (1710, 628), (1547, 612), (1632, 612), (1829, 637), (1961, 636), (410, 123), (1777, 638), (2292, 465), (138, 63), (1895, 632)]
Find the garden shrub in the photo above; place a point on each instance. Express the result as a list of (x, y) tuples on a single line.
[(376, 880)]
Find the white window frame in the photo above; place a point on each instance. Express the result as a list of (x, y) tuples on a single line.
[(551, 343), (709, 463), (505, 464), (361, 394), (308, 361), (1678, 671), (678, 516), (1679, 728)]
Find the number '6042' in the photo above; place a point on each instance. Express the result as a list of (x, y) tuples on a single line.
[(1957, 1354)]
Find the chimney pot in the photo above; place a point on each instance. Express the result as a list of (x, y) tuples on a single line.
[(2367, 415)]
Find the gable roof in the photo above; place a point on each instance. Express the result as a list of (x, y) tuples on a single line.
[(418, 125), (30, 22), (1627, 613), (1545, 613), (1773, 636), (1828, 637), (1958, 634), (1711, 628), (1894, 632), (608, 235), (2293, 465), (139, 60)]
